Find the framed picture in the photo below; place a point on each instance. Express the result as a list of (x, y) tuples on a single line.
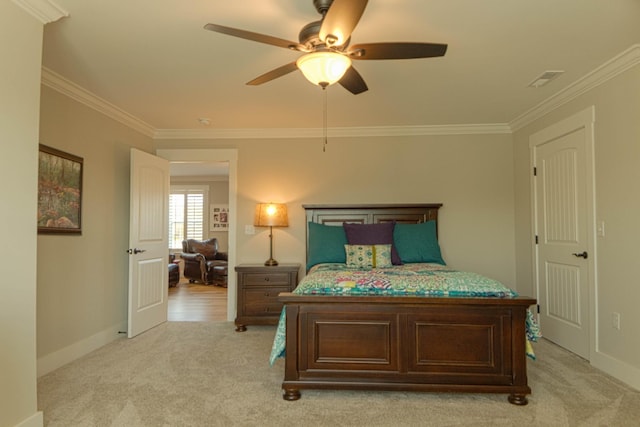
[(59, 192), (219, 218)]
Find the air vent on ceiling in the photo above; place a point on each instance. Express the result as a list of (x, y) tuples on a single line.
[(545, 78)]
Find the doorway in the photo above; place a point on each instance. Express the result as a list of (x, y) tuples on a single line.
[(229, 156), (564, 219)]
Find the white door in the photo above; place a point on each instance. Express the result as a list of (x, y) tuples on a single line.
[(564, 232), (148, 242)]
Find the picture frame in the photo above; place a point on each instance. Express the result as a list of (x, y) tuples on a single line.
[(218, 217), (59, 191)]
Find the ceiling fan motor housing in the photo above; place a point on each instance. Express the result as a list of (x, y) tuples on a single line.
[(322, 6), (308, 35)]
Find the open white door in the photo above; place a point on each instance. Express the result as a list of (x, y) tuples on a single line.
[(148, 242)]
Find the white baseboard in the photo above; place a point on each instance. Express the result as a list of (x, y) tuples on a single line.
[(70, 353), (35, 420), (622, 371)]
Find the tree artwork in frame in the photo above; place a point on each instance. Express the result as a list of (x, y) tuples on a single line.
[(59, 192)]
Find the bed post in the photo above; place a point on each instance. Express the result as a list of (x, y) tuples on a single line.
[(291, 361), (519, 356)]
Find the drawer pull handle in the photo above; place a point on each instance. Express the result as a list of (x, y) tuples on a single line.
[(266, 279)]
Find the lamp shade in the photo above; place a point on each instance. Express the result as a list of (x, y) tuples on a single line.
[(271, 215), (323, 68)]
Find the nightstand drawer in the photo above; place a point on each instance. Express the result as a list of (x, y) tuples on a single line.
[(266, 279), (260, 296), (258, 290), (256, 304)]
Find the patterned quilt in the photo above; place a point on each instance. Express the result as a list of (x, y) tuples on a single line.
[(419, 279)]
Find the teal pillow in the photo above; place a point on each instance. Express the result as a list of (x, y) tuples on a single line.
[(325, 244), (417, 242)]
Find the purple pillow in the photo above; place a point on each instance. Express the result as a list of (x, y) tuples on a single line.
[(373, 234)]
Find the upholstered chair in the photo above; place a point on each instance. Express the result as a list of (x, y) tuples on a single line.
[(203, 262), (174, 271)]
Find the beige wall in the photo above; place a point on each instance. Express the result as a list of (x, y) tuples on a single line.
[(617, 174), (472, 175), (82, 280), (20, 55)]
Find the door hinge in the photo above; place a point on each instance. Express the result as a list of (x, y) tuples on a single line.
[(538, 307), (536, 239), (535, 171)]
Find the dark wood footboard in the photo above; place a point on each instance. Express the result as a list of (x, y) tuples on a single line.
[(406, 343)]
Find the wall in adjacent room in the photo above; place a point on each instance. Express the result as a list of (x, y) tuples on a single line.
[(218, 194)]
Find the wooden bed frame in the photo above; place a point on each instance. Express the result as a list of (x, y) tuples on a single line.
[(403, 343)]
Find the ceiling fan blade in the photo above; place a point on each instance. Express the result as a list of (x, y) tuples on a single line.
[(256, 37), (274, 74), (340, 21), (353, 81), (396, 50)]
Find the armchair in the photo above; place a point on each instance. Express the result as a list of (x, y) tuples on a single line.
[(203, 262)]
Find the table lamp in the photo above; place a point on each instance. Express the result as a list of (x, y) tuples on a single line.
[(271, 215)]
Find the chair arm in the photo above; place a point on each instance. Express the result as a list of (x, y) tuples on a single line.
[(198, 259), (192, 257)]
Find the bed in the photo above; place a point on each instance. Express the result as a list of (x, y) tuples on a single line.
[(437, 341)]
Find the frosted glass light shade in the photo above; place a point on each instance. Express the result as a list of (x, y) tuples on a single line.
[(323, 68)]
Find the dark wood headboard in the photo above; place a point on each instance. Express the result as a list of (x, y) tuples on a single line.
[(369, 214)]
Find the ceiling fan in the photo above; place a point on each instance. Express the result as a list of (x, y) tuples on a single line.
[(328, 56)]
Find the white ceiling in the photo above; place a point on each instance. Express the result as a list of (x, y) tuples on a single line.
[(154, 60)]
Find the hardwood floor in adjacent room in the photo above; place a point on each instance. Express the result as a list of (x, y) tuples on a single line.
[(194, 302)]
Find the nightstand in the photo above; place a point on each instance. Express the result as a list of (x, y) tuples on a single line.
[(258, 289)]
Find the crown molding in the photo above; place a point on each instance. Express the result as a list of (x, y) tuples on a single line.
[(45, 11), (337, 132), (58, 83), (610, 69), (66, 87)]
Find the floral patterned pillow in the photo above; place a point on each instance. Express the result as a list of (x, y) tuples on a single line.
[(368, 256)]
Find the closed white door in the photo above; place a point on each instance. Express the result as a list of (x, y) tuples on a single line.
[(148, 242), (564, 233)]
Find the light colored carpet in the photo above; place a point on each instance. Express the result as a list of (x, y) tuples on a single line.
[(206, 374)]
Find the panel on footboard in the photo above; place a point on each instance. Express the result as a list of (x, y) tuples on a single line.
[(452, 346), (354, 341)]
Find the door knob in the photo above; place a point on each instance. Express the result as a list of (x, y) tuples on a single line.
[(135, 251), (584, 255)]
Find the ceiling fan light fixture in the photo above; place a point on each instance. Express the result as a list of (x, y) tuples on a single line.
[(323, 68)]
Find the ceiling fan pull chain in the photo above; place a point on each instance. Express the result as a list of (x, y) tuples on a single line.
[(324, 124)]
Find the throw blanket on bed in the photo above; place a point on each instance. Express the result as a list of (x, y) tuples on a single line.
[(419, 279)]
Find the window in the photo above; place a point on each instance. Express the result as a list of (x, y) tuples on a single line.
[(187, 213)]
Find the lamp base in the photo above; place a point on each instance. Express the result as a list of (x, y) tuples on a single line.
[(270, 262)]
